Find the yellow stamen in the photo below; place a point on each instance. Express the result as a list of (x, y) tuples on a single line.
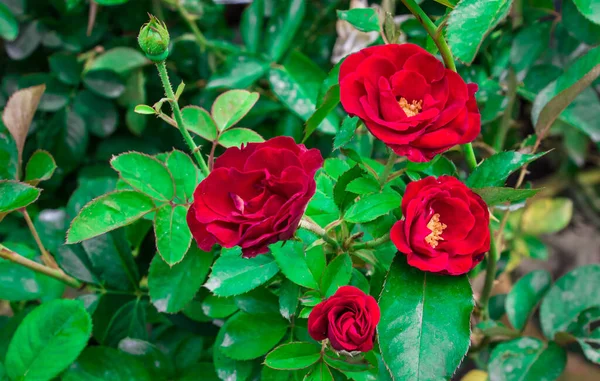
[(410, 109), (436, 228)]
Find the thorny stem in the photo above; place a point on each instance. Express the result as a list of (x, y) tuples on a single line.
[(313, 227), (57, 274), (164, 77), (211, 157), (490, 276), (387, 169), (46, 257), (371, 244)]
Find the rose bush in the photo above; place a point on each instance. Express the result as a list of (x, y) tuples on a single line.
[(409, 100), (445, 226), (255, 196)]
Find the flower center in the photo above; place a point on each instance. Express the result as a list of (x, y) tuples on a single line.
[(436, 228), (410, 109)]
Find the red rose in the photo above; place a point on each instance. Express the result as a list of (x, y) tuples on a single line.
[(409, 100), (348, 319), (445, 227), (255, 196)]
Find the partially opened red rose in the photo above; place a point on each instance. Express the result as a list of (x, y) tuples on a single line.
[(409, 100), (445, 227), (348, 319), (255, 196)]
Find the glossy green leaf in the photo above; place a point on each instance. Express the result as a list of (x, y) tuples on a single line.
[(146, 174), (558, 95), (171, 288), (590, 9), (370, 207), (346, 132), (363, 185), (150, 355), (15, 195), (9, 26), (239, 72), (128, 321), (66, 67), (296, 355), (547, 215), (320, 372), (105, 83), (144, 109), (173, 236), (199, 121), (8, 155), (493, 171), (330, 102), (525, 295), (26, 43), (231, 106), (470, 21), (346, 365), (236, 137), (103, 363), (218, 307), (246, 337), (337, 274), (233, 275), (100, 114), (185, 174), (251, 25), (282, 27), (66, 138), (227, 368), (257, 302), (48, 340), (120, 60), (363, 19), (498, 195), (289, 296), (568, 297), (526, 359), (292, 260), (40, 167), (577, 25), (108, 212), (425, 322)]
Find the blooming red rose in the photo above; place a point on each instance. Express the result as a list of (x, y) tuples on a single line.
[(445, 227), (255, 196), (348, 319), (409, 100)]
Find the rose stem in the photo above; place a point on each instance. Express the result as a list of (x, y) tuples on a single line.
[(313, 227), (468, 152), (200, 39), (387, 169), (46, 257), (54, 273), (511, 95), (372, 243), (164, 77)]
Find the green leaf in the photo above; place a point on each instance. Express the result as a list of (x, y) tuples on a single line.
[(237, 137), (108, 212), (344, 365), (9, 26), (66, 138), (370, 207), (558, 95), (16, 195), (363, 19), (120, 60), (199, 121), (469, 22), (568, 297), (525, 295), (346, 132), (234, 275), (363, 185), (546, 216), (577, 25), (590, 9), (292, 260), (251, 25), (102, 363), (40, 167), (8, 155), (493, 171), (526, 359), (171, 288), (282, 27), (173, 236), (185, 174), (144, 109), (289, 295), (330, 102), (100, 114), (296, 355), (66, 68), (26, 43), (246, 337), (48, 340), (231, 106), (320, 373), (239, 72), (498, 195), (342, 197), (257, 302), (128, 321), (150, 355), (146, 174), (425, 322), (105, 83), (227, 368), (336, 275)]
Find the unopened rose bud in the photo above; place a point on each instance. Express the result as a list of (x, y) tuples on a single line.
[(154, 40)]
